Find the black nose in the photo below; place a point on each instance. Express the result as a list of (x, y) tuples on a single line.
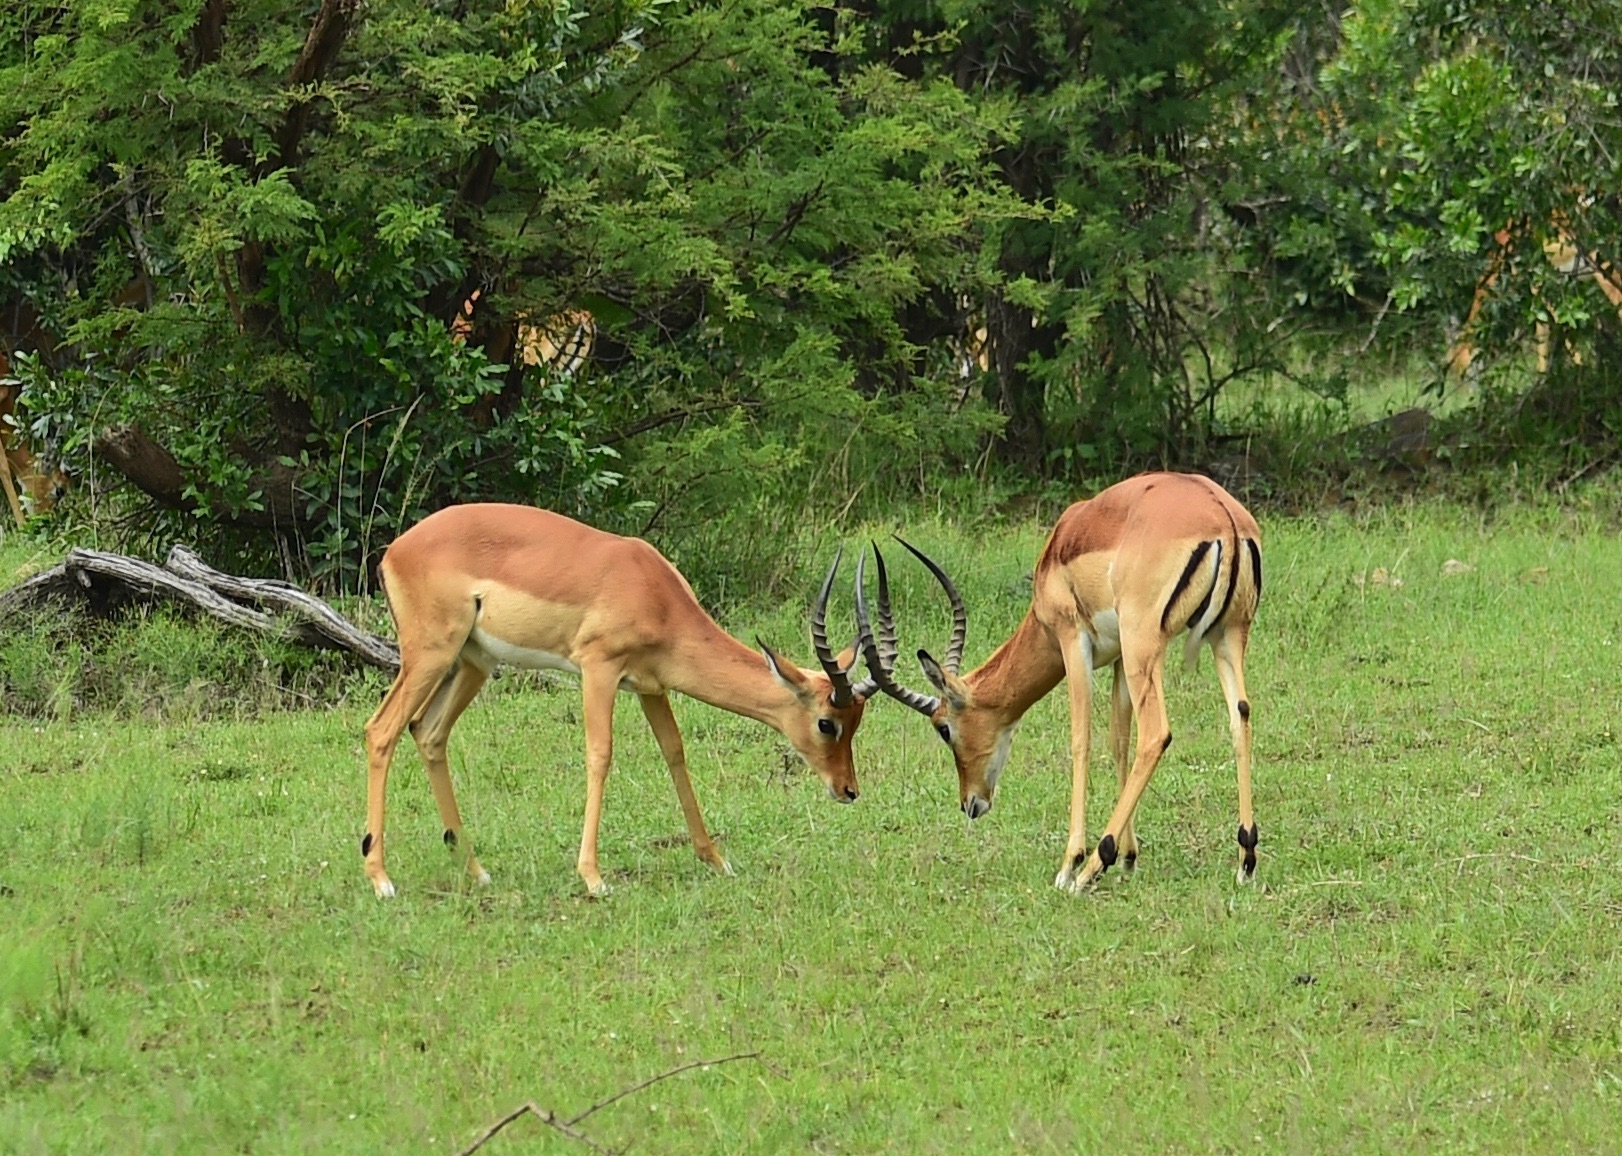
[(850, 794), (974, 806)]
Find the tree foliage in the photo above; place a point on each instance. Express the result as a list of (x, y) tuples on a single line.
[(282, 267), (1416, 153)]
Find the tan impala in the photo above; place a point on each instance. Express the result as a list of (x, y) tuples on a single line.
[(1121, 576), (472, 587)]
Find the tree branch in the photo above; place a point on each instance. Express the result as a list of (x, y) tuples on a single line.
[(152, 469), (208, 34), (567, 1127), (657, 420), (326, 37)]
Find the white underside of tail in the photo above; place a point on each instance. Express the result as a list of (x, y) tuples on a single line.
[(1197, 630)]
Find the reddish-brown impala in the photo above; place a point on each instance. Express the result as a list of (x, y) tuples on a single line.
[(1121, 576), (472, 587)]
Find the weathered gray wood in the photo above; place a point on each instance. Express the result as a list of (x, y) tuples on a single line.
[(332, 628), (34, 592), (91, 566), (105, 579)]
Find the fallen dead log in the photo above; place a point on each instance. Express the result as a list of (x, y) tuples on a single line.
[(321, 619), (107, 581)]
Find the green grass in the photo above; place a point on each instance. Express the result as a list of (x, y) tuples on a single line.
[(191, 959)]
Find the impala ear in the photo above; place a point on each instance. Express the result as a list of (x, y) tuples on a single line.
[(786, 673), (951, 687)]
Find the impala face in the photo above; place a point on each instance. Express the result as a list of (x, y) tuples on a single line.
[(980, 739), (819, 728), (980, 746), (822, 734)]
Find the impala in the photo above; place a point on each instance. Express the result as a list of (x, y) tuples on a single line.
[(475, 586), (1121, 576)]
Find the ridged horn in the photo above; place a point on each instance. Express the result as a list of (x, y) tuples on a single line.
[(960, 616), (881, 666), (844, 694)]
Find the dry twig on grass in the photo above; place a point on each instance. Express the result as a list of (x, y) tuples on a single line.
[(568, 1127)]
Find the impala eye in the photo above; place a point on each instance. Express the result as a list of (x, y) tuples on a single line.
[(945, 732), (827, 727)]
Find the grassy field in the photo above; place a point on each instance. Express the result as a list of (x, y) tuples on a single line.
[(192, 961)]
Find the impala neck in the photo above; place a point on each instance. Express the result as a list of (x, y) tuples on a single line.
[(718, 669), (1019, 673)]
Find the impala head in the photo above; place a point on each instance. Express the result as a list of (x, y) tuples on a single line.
[(978, 737), (828, 704)]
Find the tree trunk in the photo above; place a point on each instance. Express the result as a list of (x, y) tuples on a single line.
[(1019, 394)]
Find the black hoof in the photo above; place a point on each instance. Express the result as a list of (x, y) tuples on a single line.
[(1247, 842)]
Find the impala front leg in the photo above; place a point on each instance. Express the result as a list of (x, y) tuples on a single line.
[(1120, 744), (1154, 736), (598, 686), (657, 709), (1078, 670)]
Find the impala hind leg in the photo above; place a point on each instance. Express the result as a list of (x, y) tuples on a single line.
[(432, 731), (1077, 650), (598, 685), (657, 709), (1144, 666), (1229, 650), (421, 674), (1120, 745)]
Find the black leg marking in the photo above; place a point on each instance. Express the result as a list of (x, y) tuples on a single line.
[(1130, 863), (366, 844), (1248, 840), (1255, 566), (1166, 745), (450, 839), (1244, 709), (1106, 851)]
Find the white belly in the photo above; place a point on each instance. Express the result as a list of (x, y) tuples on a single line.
[(495, 651), (487, 652), (1106, 638)]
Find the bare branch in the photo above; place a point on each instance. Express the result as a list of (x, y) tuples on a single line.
[(601, 1104), (568, 1127), (545, 1116), (645, 424)]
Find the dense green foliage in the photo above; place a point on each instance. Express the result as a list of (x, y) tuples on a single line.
[(192, 961), (831, 254)]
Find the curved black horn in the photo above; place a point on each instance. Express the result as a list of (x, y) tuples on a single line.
[(960, 616), (864, 631), (881, 668), (843, 691)]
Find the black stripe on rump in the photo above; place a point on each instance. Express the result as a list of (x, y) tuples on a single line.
[(1205, 603), (1182, 583), (1255, 566)]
